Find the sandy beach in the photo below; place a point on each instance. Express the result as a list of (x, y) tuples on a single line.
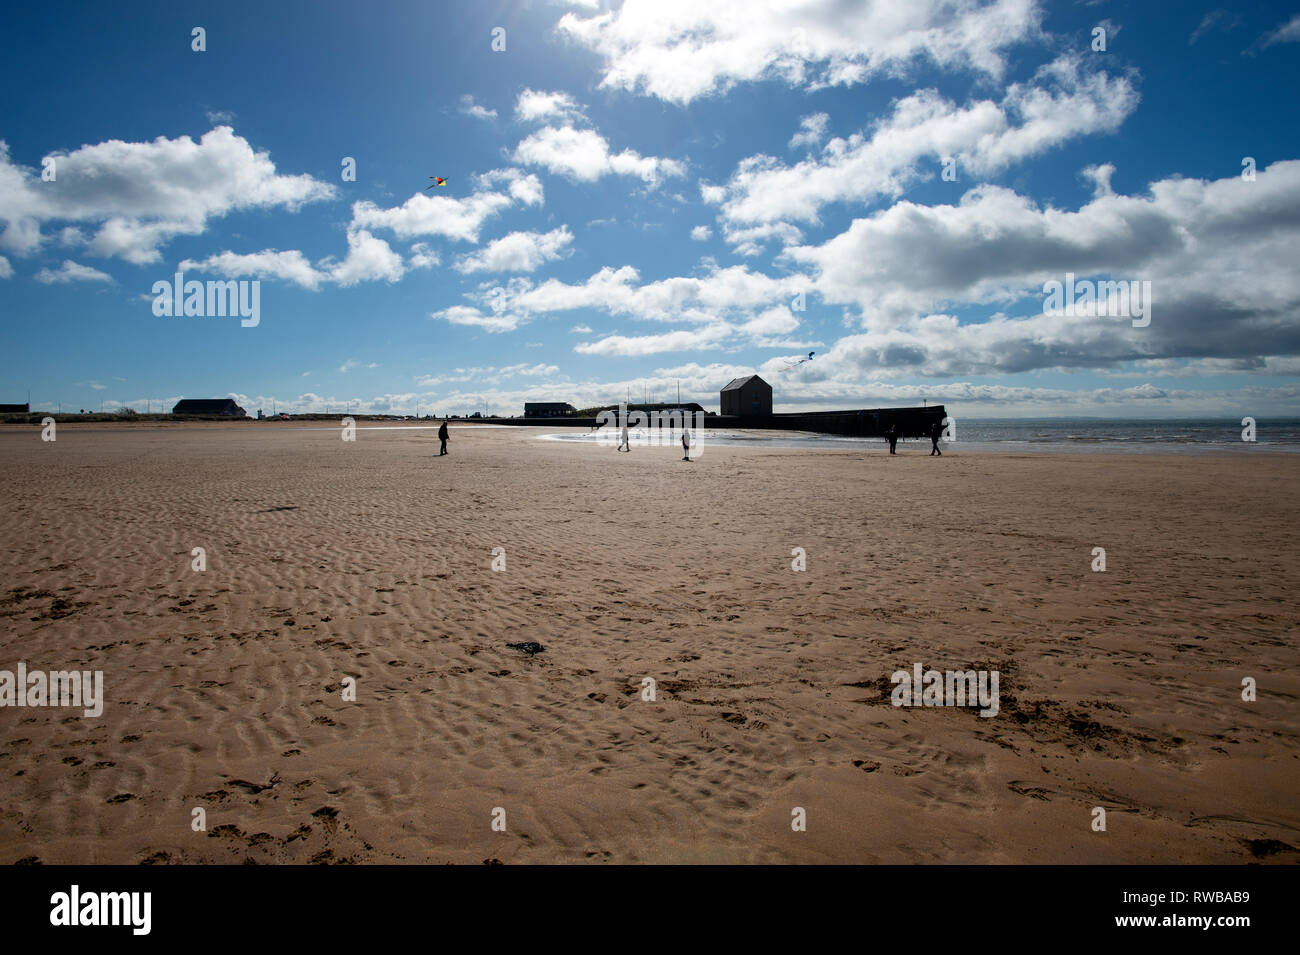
[(224, 688)]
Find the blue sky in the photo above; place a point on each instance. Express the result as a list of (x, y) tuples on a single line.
[(642, 196)]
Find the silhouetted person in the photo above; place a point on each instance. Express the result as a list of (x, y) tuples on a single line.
[(442, 436), (686, 445), (936, 432), (892, 437)]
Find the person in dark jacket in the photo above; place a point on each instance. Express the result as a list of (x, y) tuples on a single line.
[(936, 432), (442, 436), (891, 436)]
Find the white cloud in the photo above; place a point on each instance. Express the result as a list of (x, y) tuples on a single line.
[(534, 105), (726, 306), (682, 340), (580, 330), (723, 293), (749, 240), (368, 259), (1288, 32), (518, 252), (289, 266), (143, 194), (812, 130), (448, 216), (1063, 101), (470, 108), (6, 270), (422, 257), (679, 50), (1218, 255), (584, 155), (71, 272), (466, 315), (1209, 22), (525, 370), (701, 232)]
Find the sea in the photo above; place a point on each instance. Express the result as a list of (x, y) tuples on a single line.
[(1038, 435)]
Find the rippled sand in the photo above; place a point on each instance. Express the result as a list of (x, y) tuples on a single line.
[(372, 559)]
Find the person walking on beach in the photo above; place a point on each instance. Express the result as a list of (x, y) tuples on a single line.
[(891, 436), (624, 441), (442, 436), (936, 432), (686, 445)]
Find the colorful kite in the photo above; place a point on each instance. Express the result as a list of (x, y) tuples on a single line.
[(796, 364), (437, 181)]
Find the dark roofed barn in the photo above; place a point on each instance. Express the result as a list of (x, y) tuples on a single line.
[(209, 406), (747, 396)]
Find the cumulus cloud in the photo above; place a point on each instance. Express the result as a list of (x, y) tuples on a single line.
[(71, 272), (812, 130), (141, 195), (368, 259), (1063, 101), (701, 232), (422, 257), (288, 266), (727, 293), (584, 155), (732, 305), (6, 270), (679, 50), (518, 252), (1216, 253), (450, 216), (534, 105)]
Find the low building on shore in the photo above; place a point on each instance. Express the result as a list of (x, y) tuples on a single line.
[(548, 409), (224, 407)]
